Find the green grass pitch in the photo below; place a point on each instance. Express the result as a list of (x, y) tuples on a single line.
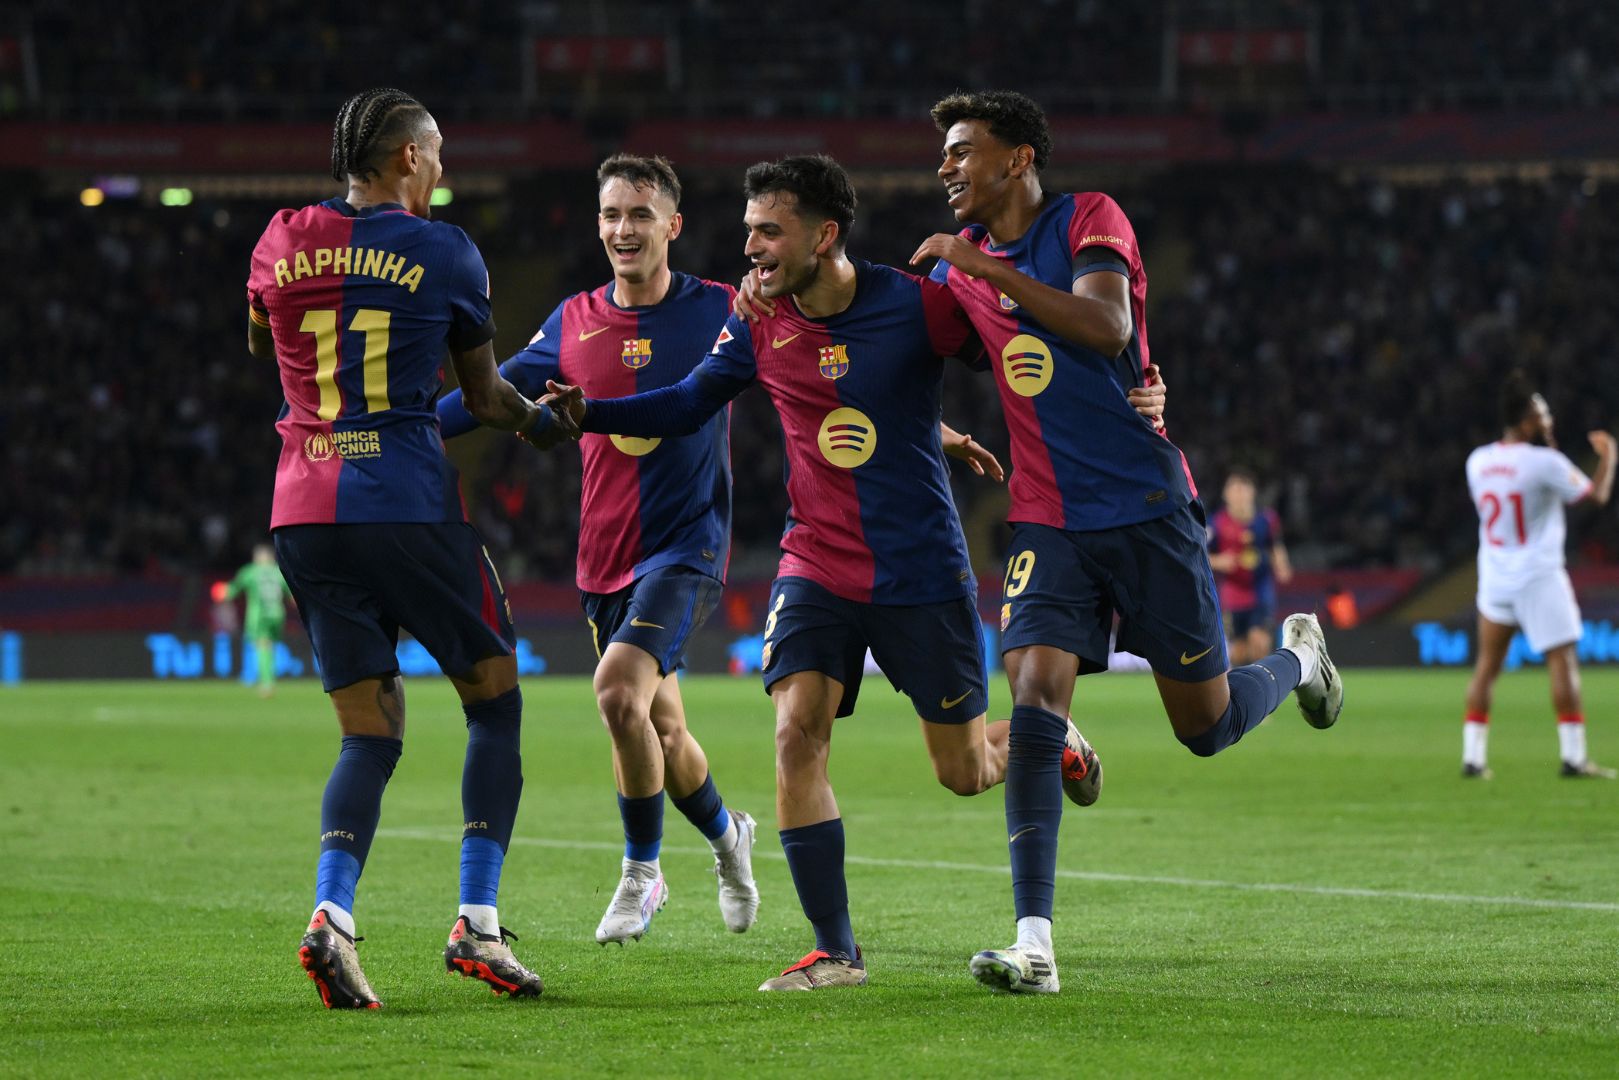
[(1306, 904)]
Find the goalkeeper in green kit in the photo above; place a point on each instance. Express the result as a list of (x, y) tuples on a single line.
[(266, 592)]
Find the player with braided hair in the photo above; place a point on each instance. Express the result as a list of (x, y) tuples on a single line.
[(356, 299)]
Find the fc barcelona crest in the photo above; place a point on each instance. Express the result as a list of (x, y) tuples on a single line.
[(637, 352), (834, 361)]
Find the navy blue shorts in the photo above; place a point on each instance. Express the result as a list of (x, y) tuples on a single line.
[(1241, 620), (1063, 589), (357, 585), (931, 653), (657, 613)]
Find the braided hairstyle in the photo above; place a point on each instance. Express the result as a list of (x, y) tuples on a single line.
[(371, 122)]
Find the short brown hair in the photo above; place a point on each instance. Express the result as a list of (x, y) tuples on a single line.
[(641, 171)]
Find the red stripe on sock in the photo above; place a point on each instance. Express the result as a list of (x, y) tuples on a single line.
[(1571, 718), (1477, 718)]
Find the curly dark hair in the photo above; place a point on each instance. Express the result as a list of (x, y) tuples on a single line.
[(641, 171), (1010, 116), (819, 184), (370, 124)]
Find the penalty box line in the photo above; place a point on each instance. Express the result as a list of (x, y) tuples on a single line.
[(1072, 875)]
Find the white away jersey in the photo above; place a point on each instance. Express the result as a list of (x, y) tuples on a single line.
[(1519, 490)]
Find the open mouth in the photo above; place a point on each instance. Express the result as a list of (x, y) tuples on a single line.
[(767, 271), (954, 191), (626, 252)]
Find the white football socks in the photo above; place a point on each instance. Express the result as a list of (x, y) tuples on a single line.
[(726, 840), (339, 917), (1475, 736), (1034, 933), (1571, 741), (1308, 663), (482, 918)]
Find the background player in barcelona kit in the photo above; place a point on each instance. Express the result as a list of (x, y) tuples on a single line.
[(873, 554), (1104, 512), (356, 299), (654, 530), (1249, 560), (1519, 484)]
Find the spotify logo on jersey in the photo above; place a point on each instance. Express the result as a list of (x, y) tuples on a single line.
[(1026, 363), (634, 447), (848, 438)]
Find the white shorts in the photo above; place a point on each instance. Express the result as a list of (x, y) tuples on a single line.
[(1544, 608)]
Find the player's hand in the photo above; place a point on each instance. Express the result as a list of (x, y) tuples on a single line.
[(1149, 400), (1602, 442), (749, 304), (555, 431), (961, 445), (565, 400), (963, 254)]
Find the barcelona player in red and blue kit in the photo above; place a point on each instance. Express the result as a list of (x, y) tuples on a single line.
[(873, 554), (356, 299), (1249, 558), (1104, 511), (654, 530)]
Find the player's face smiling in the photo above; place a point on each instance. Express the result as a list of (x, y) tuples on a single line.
[(781, 244), (635, 225), (976, 170)]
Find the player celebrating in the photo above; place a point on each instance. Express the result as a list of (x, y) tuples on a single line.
[(357, 299), (654, 531), (1248, 557), (1519, 485), (873, 555), (1104, 511), (265, 589)]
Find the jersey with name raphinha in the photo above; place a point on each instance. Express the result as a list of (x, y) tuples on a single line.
[(361, 306), (1253, 583), (643, 503), (1082, 457), (1519, 490), (870, 514)]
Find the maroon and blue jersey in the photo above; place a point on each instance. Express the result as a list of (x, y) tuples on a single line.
[(361, 305), (1253, 583), (870, 515), (1082, 457), (644, 503)]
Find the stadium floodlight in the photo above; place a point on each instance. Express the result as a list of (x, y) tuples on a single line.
[(92, 196), (442, 196), (175, 196)]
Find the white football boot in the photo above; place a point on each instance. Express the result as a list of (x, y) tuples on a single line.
[(1017, 969), (739, 896), (1322, 698), (634, 902)]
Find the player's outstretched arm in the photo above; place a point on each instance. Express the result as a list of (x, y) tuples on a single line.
[(1602, 483), (496, 403), (681, 409), (960, 445), (1096, 314)]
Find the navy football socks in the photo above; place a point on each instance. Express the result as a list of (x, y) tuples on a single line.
[(815, 857), (643, 826), (705, 809), (491, 785), (1256, 691), (1034, 806), (349, 812)]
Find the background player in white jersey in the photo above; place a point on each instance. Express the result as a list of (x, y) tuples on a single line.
[(1519, 486)]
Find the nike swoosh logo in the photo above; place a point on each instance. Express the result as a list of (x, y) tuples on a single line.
[(586, 337), (776, 343), (1194, 659), (1020, 832), (951, 703), (638, 621)]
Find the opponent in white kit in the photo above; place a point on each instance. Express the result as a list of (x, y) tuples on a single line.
[(1519, 486)]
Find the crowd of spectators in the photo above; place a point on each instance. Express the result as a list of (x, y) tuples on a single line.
[(280, 59), (1342, 337)]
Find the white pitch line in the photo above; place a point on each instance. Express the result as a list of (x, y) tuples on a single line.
[(1075, 875)]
